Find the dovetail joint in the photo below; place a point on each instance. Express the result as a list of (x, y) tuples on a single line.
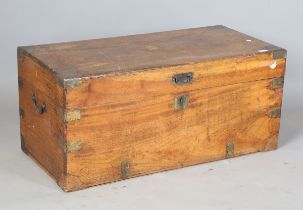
[(125, 169)]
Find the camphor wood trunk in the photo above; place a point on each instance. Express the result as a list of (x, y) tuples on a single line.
[(98, 111)]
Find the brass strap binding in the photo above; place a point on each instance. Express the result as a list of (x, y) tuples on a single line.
[(125, 169), (230, 147)]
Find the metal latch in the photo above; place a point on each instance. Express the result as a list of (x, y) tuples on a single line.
[(182, 78)]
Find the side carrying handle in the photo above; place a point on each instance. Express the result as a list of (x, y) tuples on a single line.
[(41, 109)]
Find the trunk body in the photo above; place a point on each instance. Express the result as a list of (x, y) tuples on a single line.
[(98, 111)]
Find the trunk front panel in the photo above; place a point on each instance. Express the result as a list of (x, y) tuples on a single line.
[(136, 124)]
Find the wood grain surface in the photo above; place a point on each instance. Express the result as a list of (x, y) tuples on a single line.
[(131, 118), (42, 134), (119, 55)]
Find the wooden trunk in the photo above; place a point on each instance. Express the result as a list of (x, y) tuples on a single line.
[(98, 111)]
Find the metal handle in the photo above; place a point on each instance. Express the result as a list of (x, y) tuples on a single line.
[(41, 109)]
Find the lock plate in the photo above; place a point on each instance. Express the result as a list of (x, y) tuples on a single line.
[(181, 102), (183, 78)]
